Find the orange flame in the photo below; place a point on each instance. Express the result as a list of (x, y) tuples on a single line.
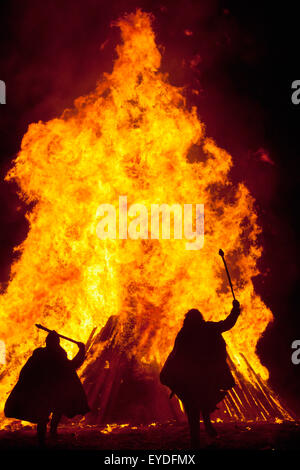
[(132, 136)]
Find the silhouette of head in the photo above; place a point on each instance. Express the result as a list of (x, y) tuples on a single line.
[(52, 340), (193, 317)]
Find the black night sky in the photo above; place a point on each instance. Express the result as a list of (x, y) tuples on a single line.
[(242, 58)]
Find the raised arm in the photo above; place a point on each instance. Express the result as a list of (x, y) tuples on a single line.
[(78, 360), (230, 321)]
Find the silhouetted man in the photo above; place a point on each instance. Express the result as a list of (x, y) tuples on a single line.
[(48, 383), (197, 371)]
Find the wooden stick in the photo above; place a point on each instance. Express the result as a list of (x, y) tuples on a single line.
[(221, 253)]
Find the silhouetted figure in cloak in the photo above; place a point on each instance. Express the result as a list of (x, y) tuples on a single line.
[(48, 383), (197, 371)]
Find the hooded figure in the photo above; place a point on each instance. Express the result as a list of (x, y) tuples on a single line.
[(48, 383), (196, 369)]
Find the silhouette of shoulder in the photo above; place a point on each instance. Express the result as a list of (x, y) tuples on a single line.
[(37, 354)]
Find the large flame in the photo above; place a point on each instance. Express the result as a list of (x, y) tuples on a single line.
[(133, 136)]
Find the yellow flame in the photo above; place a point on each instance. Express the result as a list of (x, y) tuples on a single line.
[(131, 136)]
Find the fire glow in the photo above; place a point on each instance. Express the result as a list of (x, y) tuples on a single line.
[(131, 136)]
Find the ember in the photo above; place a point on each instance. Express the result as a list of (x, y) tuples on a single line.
[(132, 136)]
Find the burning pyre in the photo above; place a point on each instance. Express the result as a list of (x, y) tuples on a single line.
[(132, 136)]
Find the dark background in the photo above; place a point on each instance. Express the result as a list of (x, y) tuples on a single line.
[(241, 56)]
